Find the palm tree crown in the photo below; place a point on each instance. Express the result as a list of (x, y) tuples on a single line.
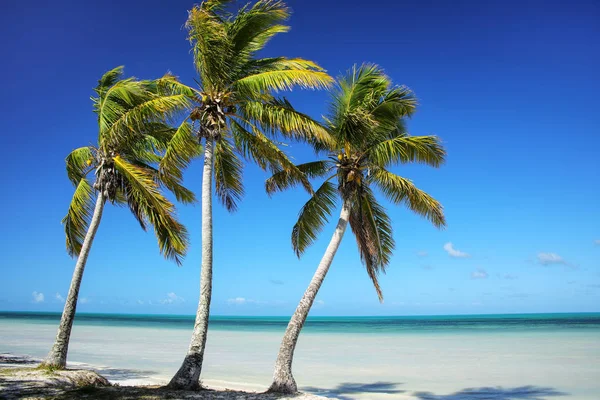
[(365, 121), (234, 104), (133, 135)]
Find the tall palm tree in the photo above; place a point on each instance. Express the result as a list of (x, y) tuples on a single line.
[(366, 122), (238, 116), (132, 136)]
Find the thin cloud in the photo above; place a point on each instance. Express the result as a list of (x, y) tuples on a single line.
[(37, 297), (452, 252), (510, 277), (243, 300), (480, 273), (84, 300), (597, 242), (320, 303), (422, 253), (276, 282), (237, 300), (172, 298), (547, 259), (427, 267), (58, 297)]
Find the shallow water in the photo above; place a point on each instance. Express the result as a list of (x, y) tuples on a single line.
[(425, 358)]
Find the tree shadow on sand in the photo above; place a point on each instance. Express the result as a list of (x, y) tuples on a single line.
[(495, 393), (116, 374), (343, 390)]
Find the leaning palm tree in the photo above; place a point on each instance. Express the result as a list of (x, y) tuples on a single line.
[(366, 122), (132, 136), (238, 116)]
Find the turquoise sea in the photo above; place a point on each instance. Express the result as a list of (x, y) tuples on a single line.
[(461, 357), (388, 325)]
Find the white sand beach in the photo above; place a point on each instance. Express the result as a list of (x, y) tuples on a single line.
[(544, 365)]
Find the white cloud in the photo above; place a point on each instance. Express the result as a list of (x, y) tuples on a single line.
[(551, 259), (480, 273), (422, 253), (510, 276), (243, 300), (172, 298), (454, 252), (238, 300), (84, 300), (319, 302), (58, 297), (37, 297)]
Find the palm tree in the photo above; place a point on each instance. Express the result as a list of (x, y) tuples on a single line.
[(132, 136), (366, 122), (238, 117)]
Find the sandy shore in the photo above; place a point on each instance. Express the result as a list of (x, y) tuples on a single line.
[(20, 378), (474, 366)]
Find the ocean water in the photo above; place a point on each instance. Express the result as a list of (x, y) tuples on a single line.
[(376, 325), (528, 356)]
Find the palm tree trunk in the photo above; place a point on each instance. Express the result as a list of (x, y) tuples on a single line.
[(188, 375), (57, 358), (283, 380)]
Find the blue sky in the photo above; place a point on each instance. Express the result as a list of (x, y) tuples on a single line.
[(511, 88)]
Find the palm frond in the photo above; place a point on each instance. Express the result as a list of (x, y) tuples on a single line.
[(253, 26), (400, 190), (313, 216), (398, 102), (228, 175), (169, 85), (148, 204), (181, 149), (279, 116), (130, 123), (109, 79), (280, 80), (210, 45), (79, 163), (286, 179), (404, 149), (78, 218), (372, 229), (258, 148)]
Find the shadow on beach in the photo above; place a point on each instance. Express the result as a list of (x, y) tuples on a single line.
[(343, 390), (495, 393), (119, 374)]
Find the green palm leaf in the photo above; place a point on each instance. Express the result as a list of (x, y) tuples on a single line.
[(279, 80), (182, 147), (400, 190), (148, 204), (78, 217), (404, 149), (79, 163), (278, 115), (313, 216), (228, 175), (286, 179), (372, 229)]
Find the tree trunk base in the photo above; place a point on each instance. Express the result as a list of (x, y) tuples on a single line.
[(188, 375), (283, 383), (54, 361)]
